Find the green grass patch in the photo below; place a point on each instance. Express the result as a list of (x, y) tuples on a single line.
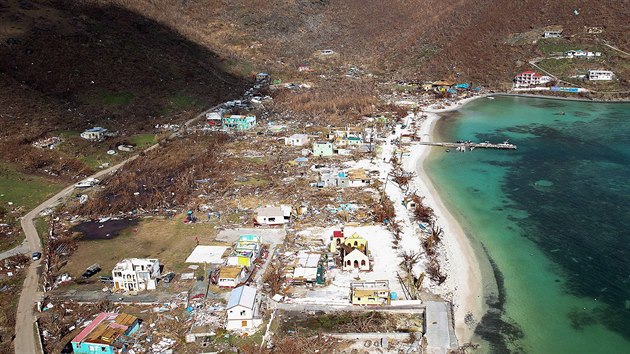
[(24, 190), (117, 98), (560, 45), (143, 140)]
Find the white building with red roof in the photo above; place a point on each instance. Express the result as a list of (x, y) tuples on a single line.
[(530, 78)]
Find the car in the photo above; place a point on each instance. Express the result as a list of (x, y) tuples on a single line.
[(106, 279), (168, 277), (91, 270), (36, 256)]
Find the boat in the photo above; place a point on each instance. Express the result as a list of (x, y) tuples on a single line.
[(490, 97)]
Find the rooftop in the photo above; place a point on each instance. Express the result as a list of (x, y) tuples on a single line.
[(105, 328), (242, 296), (230, 272)]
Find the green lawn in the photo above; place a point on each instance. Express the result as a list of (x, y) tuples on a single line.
[(24, 190), (143, 140)]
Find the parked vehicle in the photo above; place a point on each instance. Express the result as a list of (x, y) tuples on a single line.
[(36, 256), (106, 279), (168, 277), (91, 270)]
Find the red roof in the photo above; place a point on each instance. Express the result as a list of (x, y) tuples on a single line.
[(95, 322), (528, 72), (337, 233)]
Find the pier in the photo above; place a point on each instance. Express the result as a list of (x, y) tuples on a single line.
[(467, 145)]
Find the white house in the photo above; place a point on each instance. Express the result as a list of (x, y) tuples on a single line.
[(231, 276), (243, 309), (600, 75), (94, 134), (356, 260), (297, 140), (582, 54), (136, 274), (273, 215), (552, 32)]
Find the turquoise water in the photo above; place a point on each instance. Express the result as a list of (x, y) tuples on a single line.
[(553, 216)]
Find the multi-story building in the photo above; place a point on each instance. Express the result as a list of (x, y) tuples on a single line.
[(136, 274)]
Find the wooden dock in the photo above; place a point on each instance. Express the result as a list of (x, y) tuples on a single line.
[(468, 146)]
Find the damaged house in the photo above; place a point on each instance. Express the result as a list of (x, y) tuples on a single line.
[(273, 215), (370, 293)]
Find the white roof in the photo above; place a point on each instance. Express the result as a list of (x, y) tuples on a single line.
[(298, 136), (207, 254), (306, 273), (283, 210), (242, 296), (309, 260)]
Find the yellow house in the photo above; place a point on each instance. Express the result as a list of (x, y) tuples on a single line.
[(357, 242), (370, 293)]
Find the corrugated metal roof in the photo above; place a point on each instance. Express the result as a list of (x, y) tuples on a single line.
[(230, 272), (244, 296)]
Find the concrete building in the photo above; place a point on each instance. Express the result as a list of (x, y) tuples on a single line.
[(136, 274), (108, 333), (231, 276), (273, 215), (297, 140), (355, 259), (530, 78), (370, 293), (552, 32), (239, 122), (243, 309), (323, 148), (94, 134), (600, 75)]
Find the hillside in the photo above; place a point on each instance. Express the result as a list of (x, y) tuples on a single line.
[(402, 38), (130, 64), (70, 66)]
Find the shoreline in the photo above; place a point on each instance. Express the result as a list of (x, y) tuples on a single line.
[(463, 264), (468, 284), (528, 95)]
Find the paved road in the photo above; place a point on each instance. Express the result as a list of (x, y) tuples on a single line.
[(22, 248), (25, 340)]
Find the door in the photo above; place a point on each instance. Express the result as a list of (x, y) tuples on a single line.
[(243, 323)]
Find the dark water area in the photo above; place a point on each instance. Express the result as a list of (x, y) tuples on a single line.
[(499, 331), (581, 218), (554, 217), (94, 230)]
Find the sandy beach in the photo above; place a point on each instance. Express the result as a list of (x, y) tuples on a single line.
[(462, 265)]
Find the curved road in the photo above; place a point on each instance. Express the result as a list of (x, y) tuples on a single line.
[(25, 339)]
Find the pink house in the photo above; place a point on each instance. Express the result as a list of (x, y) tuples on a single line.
[(530, 78)]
